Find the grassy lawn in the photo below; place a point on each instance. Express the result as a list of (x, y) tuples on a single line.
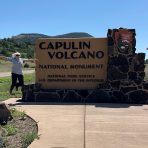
[(5, 83)]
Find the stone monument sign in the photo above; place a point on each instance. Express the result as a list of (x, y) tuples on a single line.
[(90, 70)]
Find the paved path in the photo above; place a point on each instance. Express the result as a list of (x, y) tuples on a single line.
[(103, 126), (5, 74)]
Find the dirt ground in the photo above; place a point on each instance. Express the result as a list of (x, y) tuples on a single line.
[(26, 130)]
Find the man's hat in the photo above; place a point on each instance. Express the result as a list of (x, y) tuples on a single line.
[(17, 54)]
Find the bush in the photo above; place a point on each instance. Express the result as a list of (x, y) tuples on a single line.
[(26, 65)]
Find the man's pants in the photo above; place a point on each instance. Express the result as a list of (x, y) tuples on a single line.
[(15, 78)]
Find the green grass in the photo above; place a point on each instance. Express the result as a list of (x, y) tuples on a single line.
[(28, 138), (5, 83), (11, 129), (15, 113), (5, 66)]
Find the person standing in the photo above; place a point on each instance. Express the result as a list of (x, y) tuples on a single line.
[(16, 71)]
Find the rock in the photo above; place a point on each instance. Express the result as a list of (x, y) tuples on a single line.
[(139, 96), (137, 82), (139, 67), (72, 96), (145, 85), (83, 93), (5, 114), (132, 75), (47, 97), (98, 96), (115, 84), (118, 97), (105, 85), (141, 57), (28, 96), (142, 75), (111, 51), (115, 74), (128, 89), (124, 68), (120, 60)]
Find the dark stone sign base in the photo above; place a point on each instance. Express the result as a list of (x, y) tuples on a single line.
[(127, 94), (125, 80)]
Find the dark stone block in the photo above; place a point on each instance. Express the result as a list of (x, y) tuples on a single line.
[(133, 30), (118, 61), (132, 75), (115, 74), (25, 87), (139, 67), (105, 85), (110, 93), (115, 84), (126, 82), (118, 97), (138, 96), (111, 51), (98, 96), (141, 57), (130, 60), (110, 41), (145, 85), (134, 49), (140, 79), (128, 89), (124, 68), (72, 96), (28, 96), (23, 96), (141, 74), (83, 93), (37, 86), (137, 82), (109, 32), (47, 97), (61, 93), (31, 86), (139, 87)]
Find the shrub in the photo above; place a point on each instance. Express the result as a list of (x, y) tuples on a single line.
[(26, 65)]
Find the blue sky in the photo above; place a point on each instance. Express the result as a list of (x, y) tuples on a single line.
[(55, 17)]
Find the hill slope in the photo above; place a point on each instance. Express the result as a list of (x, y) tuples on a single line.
[(31, 37)]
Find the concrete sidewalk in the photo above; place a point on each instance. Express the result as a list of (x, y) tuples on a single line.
[(90, 126)]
